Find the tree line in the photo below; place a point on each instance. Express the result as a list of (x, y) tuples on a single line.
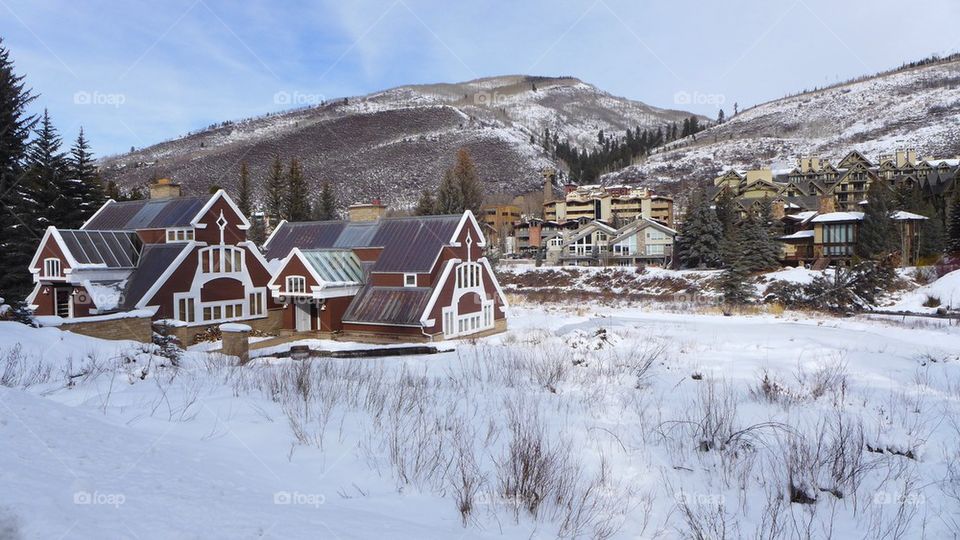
[(41, 183), (713, 236), (612, 152)]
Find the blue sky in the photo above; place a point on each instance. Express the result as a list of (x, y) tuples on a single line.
[(135, 72)]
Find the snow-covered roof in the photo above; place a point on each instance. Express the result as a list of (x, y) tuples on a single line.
[(905, 216), (802, 216), (838, 216), (798, 235)]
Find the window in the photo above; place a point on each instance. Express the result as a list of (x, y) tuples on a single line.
[(409, 280), (838, 239), (468, 276), (51, 268), (296, 285), (186, 310), (179, 235), (256, 303), (221, 260)]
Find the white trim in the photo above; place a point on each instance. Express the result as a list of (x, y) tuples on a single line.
[(468, 216), (33, 296), (505, 307), (97, 213), (244, 223), (162, 280), (407, 275), (175, 230), (274, 232), (47, 267), (437, 289), (71, 262), (289, 281)]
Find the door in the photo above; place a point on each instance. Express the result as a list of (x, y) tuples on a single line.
[(303, 317), (62, 297)]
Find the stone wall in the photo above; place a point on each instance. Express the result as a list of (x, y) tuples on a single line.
[(135, 328), (271, 324)]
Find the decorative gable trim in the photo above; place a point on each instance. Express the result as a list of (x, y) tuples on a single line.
[(220, 194), (53, 233), (468, 217)]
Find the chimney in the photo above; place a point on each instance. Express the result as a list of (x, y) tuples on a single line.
[(164, 188), (901, 158), (548, 176), (372, 211), (911, 156), (779, 209), (826, 204)]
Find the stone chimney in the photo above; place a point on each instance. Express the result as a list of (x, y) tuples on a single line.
[(901, 158), (164, 188), (548, 177), (371, 211), (826, 204)]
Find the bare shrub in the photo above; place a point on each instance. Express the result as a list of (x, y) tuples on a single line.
[(17, 371)]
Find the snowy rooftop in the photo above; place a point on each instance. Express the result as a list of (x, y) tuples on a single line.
[(838, 216), (798, 235), (905, 216)]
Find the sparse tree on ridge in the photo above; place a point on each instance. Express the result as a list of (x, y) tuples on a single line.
[(244, 191)]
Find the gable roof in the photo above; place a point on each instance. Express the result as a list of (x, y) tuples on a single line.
[(146, 214), (334, 266), (155, 261), (639, 225), (107, 249), (410, 244)]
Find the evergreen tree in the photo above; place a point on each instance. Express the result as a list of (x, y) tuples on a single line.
[(701, 234), (83, 169), (465, 172), (450, 196), (298, 202), (112, 191), (721, 117), (276, 195), (878, 237), (244, 192), (726, 211), (733, 282), (758, 251), (17, 240), (56, 201), (257, 232), (954, 226), (426, 205), (326, 206)]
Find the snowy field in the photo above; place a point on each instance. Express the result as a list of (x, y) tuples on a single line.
[(581, 421)]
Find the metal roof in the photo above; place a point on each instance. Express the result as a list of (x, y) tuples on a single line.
[(335, 265), (410, 244), (388, 305), (147, 214), (154, 261), (113, 249)]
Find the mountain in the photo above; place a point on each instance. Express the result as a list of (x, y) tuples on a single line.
[(397, 142), (917, 106)]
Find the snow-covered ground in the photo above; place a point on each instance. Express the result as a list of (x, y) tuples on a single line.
[(581, 421)]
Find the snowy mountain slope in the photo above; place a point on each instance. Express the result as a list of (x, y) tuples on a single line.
[(909, 108), (397, 142)]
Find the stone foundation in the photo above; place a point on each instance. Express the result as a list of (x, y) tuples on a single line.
[(135, 328), (271, 324)]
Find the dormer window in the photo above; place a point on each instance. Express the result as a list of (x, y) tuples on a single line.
[(51, 268), (409, 280), (296, 285), (179, 235)]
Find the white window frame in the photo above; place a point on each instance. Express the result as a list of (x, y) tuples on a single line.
[(257, 303), (226, 256), (51, 263), (191, 308), (237, 308), (290, 289), (409, 280), (179, 235)]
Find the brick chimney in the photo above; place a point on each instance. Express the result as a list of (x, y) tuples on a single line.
[(371, 211), (164, 188), (826, 204)]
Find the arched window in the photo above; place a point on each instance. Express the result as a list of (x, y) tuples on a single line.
[(468, 276), (221, 260)]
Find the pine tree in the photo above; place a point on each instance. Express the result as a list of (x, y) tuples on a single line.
[(878, 237), (758, 251), (276, 196), (17, 240), (56, 202), (450, 196), (726, 211), (954, 225), (733, 281), (82, 168), (700, 237), (465, 172), (257, 232), (298, 202), (426, 205), (244, 194), (325, 208)]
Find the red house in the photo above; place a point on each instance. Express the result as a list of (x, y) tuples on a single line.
[(411, 278), (186, 259)]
